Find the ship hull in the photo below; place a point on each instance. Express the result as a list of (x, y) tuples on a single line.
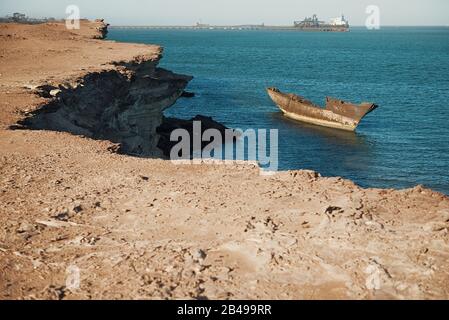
[(318, 122), (343, 116), (324, 29)]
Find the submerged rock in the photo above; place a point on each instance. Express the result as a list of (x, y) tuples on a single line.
[(170, 124), (187, 94)]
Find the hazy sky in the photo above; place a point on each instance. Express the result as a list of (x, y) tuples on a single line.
[(278, 12)]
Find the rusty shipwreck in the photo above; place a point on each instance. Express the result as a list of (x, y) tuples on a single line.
[(336, 114)]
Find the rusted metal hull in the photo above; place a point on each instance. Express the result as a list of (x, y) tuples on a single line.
[(337, 113)]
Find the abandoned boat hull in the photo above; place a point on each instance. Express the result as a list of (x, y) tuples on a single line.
[(318, 122), (337, 114)]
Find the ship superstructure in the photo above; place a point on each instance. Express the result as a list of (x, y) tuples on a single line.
[(314, 24)]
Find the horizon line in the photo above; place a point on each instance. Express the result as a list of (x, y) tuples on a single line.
[(266, 25)]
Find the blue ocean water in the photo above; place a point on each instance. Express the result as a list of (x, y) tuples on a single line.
[(405, 70)]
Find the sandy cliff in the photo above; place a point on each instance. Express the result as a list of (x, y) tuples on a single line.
[(120, 100), (124, 105), (146, 228)]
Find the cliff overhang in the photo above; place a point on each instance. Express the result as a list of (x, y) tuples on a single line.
[(124, 105), (86, 86)]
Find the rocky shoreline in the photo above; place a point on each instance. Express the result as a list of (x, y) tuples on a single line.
[(147, 228)]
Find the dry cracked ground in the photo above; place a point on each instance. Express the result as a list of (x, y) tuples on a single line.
[(139, 228)]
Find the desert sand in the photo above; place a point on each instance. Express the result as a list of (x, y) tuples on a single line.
[(141, 228)]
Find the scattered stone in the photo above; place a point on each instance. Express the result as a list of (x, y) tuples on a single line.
[(445, 215), (187, 94), (30, 86), (56, 223), (374, 224), (57, 293), (26, 227), (45, 90), (435, 226), (199, 255), (62, 216), (77, 208), (55, 92), (331, 209)]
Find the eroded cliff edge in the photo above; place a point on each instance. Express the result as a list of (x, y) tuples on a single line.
[(124, 105), (121, 101)]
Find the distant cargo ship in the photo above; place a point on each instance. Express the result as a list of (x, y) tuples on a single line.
[(339, 24)]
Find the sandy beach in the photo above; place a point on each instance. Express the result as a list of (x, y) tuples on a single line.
[(145, 228)]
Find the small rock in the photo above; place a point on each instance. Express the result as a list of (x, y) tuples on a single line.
[(445, 215), (55, 223), (306, 224), (25, 227), (62, 216), (331, 209), (57, 293), (187, 94), (30, 86), (199, 255), (77, 208), (374, 224), (54, 92), (434, 226)]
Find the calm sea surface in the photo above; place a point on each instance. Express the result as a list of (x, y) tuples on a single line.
[(405, 70)]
